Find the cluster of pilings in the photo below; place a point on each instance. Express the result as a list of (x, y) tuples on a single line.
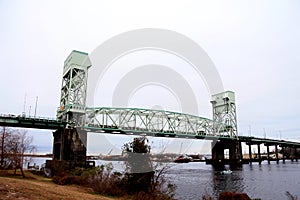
[(288, 152), (235, 157), (218, 157)]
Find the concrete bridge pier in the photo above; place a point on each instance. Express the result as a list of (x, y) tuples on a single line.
[(235, 153), (69, 145), (294, 154), (276, 153), (250, 153), (290, 154), (259, 155), (283, 154), (258, 158), (268, 153), (218, 151)]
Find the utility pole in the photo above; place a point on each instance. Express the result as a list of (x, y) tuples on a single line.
[(24, 110), (36, 101), (280, 135), (249, 130)]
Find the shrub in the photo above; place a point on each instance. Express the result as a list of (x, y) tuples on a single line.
[(233, 196), (103, 180)]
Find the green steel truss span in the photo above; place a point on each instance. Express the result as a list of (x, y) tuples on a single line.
[(152, 122)]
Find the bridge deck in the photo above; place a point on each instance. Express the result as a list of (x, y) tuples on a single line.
[(141, 132), (31, 122), (142, 122), (267, 141)]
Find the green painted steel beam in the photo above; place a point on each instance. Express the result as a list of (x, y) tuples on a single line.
[(31, 122), (146, 120)]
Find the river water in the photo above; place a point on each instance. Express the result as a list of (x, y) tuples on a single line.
[(266, 181), (258, 181)]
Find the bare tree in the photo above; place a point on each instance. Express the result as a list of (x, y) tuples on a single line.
[(5, 134), (14, 144)]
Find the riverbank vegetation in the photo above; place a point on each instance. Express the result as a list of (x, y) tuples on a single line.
[(140, 179)]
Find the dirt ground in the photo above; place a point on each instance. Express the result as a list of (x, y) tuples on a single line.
[(33, 188)]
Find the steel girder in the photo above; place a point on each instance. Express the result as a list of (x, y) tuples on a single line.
[(151, 121)]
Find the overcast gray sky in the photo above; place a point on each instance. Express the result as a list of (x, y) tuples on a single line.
[(254, 45)]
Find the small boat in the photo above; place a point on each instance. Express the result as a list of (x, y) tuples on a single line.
[(225, 172), (183, 159)]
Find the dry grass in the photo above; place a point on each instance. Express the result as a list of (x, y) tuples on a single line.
[(34, 187)]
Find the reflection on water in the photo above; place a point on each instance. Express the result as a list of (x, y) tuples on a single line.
[(227, 182), (193, 180), (258, 181)]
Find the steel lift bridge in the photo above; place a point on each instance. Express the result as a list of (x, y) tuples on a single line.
[(70, 142), (74, 120)]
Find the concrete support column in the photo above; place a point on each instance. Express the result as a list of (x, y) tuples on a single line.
[(276, 153), (250, 153), (291, 154), (235, 150), (259, 156), (69, 145), (218, 151), (296, 154), (283, 154), (268, 153)]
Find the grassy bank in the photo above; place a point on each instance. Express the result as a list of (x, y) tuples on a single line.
[(34, 187)]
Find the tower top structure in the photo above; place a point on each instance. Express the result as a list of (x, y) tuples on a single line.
[(74, 87)]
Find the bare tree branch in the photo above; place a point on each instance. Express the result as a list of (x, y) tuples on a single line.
[(14, 144)]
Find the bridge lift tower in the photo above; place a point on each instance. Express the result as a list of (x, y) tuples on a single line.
[(70, 142), (224, 111)]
